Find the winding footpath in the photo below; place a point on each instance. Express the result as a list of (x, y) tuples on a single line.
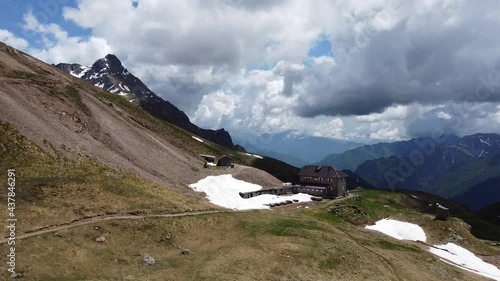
[(107, 218), (101, 218)]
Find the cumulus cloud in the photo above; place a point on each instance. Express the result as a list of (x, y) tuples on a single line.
[(10, 39), (433, 56), (245, 65), (456, 118), (332, 129), (58, 46)]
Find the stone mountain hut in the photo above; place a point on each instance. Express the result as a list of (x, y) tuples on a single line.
[(325, 181)]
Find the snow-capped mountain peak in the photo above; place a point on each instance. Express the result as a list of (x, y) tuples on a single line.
[(109, 75)]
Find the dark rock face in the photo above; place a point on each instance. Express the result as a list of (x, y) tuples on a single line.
[(68, 67), (109, 74)]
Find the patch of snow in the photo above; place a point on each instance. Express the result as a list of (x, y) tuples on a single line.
[(122, 94), (487, 142), (224, 191), (198, 139), (255, 155), (121, 86), (211, 164), (126, 88), (464, 259), (99, 85), (481, 154), (84, 69), (114, 89), (399, 230)]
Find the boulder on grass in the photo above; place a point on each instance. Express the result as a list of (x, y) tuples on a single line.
[(148, 260), (101, 239)]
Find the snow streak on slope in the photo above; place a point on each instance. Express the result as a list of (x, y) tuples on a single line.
[(255, 155), (450, 253), (224, 191), (462, 258), (198, 139)]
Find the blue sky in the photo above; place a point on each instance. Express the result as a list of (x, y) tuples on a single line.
[(46, 11), (323, 47)]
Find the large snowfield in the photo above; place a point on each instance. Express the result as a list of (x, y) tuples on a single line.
[(224, 191), (450, 253)]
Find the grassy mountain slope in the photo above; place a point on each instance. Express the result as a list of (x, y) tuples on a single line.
[(491, 213), (287, 243), (466, 177), (481, 195)]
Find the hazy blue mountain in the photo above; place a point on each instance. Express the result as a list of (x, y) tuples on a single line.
[(351, 159), (451, 170), (295, 148)]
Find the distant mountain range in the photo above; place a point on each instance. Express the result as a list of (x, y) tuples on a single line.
[(351, 159), (465, 169), (295, 148), (109, 74)]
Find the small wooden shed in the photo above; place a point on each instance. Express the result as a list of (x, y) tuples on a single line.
[(225, 161), (442, 213)]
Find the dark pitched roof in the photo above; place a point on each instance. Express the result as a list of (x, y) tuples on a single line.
[(322, 171), (205, 155), (225, 156)]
